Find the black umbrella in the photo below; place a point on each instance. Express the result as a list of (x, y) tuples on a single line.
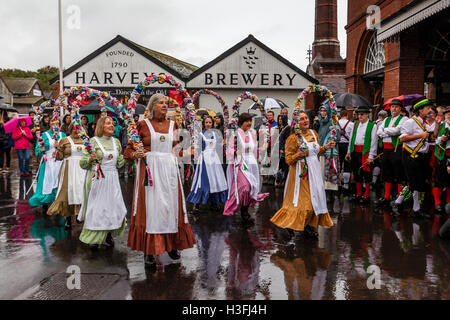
[(140, 109), (269, 104), (94, 108), (7, 108), (351, 100)]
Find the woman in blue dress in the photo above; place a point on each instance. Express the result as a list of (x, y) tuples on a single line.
[(47, 178), (209, 185)]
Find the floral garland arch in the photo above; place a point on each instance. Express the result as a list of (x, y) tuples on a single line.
[(299, 105), (153, 78)]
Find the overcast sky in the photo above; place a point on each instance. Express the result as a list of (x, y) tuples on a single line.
[(196, 31)]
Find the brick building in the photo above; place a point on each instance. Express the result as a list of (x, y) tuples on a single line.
[(403, 48)]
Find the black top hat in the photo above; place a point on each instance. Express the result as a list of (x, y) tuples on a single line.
[(421, 102), (363, 109), (396, 102), (446, 109)]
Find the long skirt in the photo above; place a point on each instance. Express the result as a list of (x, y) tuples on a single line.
[(154, 244), (296, 218), (245, 198)]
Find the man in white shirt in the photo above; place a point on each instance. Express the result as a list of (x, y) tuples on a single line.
[(391, 160), (414, 136), (346, 127), (362, 150)]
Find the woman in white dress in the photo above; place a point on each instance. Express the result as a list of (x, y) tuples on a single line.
[(47, 176), (71, 177), (210, 184), (243, 170), (103, 210), (159, 220)]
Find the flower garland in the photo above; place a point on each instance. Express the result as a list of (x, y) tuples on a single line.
[(83, 94), (298, 105), (132, 132), (131, 108)]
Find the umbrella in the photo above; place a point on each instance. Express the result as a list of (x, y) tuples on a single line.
[(351, 100), (406, 99), (270, 103), (7, 108), (94, 108), (11, 124), (140, 109), (202, 111)]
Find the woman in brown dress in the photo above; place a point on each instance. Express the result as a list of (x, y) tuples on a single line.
[(304, 204), (159, 221)]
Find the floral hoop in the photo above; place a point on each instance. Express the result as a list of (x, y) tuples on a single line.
[(299, 102), (178, 118), (196, 95), (131, 125), (298, 105)]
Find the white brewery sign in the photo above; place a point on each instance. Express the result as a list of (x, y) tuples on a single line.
[(249, 67), (117, 66)]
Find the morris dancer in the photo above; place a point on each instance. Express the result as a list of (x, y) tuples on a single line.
[(71, 177), (243, 171), (414, 136), (210, 184), (103, 210), (304, 204), (362, 151), (47, 178), (346, 127), (441, 178), (159, 221), (389, 131)]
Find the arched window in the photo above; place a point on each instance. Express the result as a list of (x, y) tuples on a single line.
[(374, 55), (439, 45)]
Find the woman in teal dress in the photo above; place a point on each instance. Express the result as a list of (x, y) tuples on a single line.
[(103, 209), (47, 178)]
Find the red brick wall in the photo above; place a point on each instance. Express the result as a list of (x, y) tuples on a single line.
[(404, 67)]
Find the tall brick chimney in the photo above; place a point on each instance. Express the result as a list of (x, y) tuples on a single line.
[(326, 43), (327, 65)]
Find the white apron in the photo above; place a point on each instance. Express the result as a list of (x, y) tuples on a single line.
[(52, 167), (105, 208), (161, 199), (213, 165), (316, 187), (76, 174), (251, 172)]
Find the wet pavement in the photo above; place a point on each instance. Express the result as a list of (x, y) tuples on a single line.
[(228, 261)]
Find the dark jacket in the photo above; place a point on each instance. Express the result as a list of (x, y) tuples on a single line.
[(6, 141)]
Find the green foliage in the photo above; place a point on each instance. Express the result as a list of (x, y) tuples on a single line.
[(43, 75)]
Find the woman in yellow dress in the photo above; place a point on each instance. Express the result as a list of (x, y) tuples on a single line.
[(304, 205)]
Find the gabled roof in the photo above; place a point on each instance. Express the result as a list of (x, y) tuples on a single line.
[(243, 43), (20, 85), (176, 67), (28, 100)]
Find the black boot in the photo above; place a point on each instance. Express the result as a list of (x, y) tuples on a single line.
[(68, 224), (196, 208), (246, 218), (149, 261), (109, 240), (310, 232), (174, 255)]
